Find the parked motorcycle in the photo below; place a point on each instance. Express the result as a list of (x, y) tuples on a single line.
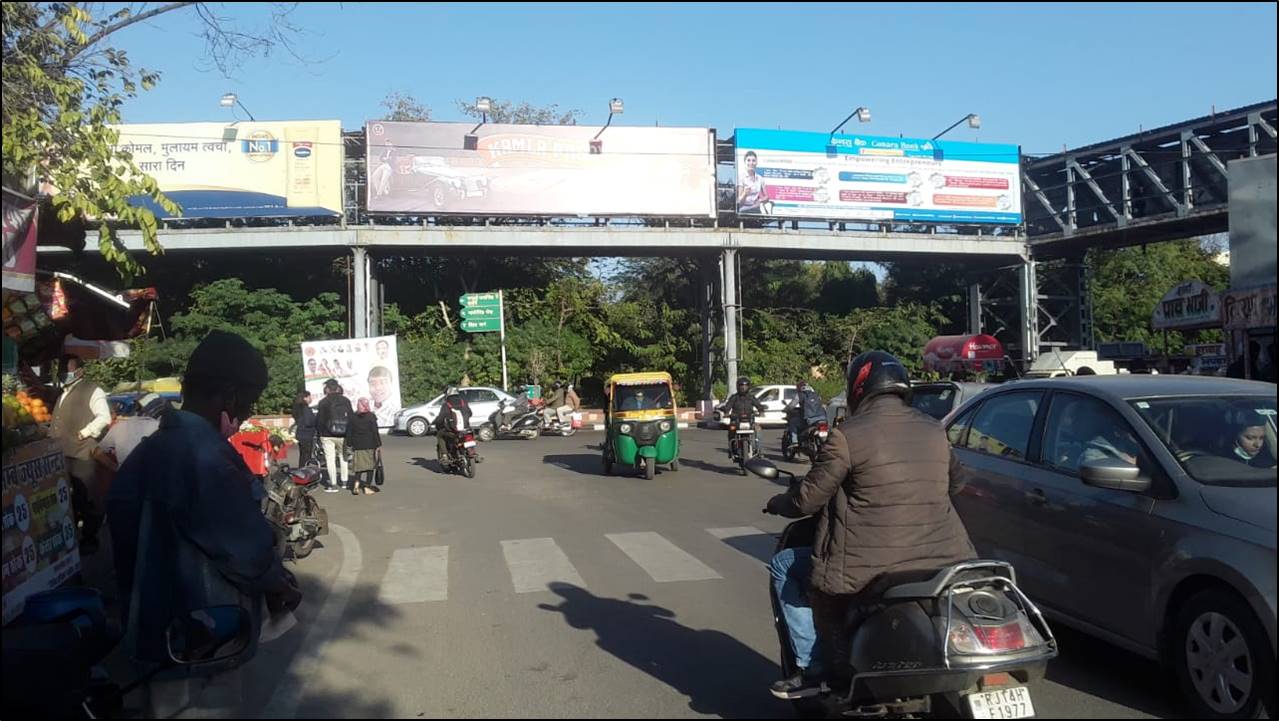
[(54, 652), (744, 443), (462, 454), (962, 640), (510, 421), (293, 512), (809, 443)]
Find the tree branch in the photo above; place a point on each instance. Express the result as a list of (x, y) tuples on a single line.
[(129, 21)]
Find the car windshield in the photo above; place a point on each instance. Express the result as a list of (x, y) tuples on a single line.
[(934, 401), (642, 397), (1218, 440)]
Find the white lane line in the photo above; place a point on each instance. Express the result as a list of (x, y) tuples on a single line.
[(416, 575), (661, 559), (536, 563), (310, 658)]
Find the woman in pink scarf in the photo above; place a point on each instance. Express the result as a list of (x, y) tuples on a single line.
[(366, 443)]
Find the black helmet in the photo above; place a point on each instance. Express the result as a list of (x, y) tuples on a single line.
[(743, 381), (876, 373), (557, 385), (801, 385)]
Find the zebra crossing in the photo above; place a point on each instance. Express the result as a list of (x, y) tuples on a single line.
[(421, 574)]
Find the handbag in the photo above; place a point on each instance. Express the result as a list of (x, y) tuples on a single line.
[(379, 473)]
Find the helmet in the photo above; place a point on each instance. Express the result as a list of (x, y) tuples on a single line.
[(876, 373), (557, 385), (743, 381), (801, 385)]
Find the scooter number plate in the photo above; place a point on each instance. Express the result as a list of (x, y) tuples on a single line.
[(469, 444), (745, 432), (1004, 703)]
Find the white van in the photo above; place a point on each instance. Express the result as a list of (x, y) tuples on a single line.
[(1070, 363)]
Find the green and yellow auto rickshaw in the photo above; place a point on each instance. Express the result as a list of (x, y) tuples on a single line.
[(642, 427)]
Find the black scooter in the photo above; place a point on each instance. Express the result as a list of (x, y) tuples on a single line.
[(963, 640), (509, 422)]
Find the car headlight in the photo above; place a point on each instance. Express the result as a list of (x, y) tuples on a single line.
[(665, 426), (625, 428)]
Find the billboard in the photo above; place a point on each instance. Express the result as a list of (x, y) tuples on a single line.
[(1188, 305), (494, 169), (40, 550), (271, 169), (367, 368), (865, 177)]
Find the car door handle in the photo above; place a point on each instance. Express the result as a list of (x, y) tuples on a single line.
[(1038, 497)]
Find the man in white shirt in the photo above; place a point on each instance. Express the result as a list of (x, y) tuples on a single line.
[(80, 417)]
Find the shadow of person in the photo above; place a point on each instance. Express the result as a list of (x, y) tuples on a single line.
[(720, 675)]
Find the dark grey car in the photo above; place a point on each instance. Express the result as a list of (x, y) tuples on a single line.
[(1139, 509)]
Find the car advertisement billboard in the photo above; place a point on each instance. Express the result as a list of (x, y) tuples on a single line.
[(865, 177), (495, 169), (245, 170)]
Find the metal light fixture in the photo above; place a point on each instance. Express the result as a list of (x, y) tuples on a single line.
[(863, 116), (483, 105), (230, 100), (615, 107), (973, 120)]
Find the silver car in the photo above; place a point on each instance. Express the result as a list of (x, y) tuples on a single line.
[(418, 420), (1141, 510)]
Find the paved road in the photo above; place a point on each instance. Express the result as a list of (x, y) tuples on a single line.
[(543, 588)]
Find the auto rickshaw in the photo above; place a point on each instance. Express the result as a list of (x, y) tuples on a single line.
[(641, 424)]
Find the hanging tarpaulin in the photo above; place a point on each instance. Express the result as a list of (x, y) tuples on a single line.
[(19, 241)]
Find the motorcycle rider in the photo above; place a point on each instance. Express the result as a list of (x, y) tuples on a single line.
[(805, 411), (882, 484), (557, 405), (742, 404), (447, 423)]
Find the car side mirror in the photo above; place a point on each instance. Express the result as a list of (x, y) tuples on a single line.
[(1114, 474), (215, 633), (762, 468)]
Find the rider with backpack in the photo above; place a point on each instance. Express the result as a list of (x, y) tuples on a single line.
[(333, 416)]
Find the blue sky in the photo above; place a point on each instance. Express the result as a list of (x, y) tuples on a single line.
[(1039, 76)]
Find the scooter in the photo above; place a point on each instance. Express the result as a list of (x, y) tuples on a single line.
[(54, 653), (509, 422), (293, 512), (962, 640)]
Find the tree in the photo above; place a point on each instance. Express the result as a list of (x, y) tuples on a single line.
[(64, 87), (525, 113), (402, 107), (1127, 284)]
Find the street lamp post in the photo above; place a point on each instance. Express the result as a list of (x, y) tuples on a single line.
[(974, 122), (230, 100)]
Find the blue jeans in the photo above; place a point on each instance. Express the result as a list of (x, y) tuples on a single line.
[(791, 569)]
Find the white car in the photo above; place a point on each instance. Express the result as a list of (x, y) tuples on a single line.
[(419, 420), (774, 399)]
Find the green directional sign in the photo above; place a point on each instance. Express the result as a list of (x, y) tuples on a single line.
[(482, 312), (480, 300), (486, 325)]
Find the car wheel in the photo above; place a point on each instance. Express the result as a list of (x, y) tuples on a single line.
[(1221, 658), (417, 427)]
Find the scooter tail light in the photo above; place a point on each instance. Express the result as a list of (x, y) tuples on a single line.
[(1006, 637), (978, 639), (823, 428)]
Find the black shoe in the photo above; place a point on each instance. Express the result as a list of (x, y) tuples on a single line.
[(798, 686), (355, 490)]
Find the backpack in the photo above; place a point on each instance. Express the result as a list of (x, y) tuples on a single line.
[(338, 418)]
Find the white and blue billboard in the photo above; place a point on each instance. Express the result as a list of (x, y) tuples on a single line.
[(797, 174)]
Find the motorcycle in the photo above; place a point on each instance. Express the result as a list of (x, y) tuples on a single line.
[(509, 421), (462, 454), (962, 640), (293, 512), (743, 445), (54, 654), (809, 443)]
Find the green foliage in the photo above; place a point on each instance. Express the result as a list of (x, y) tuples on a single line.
[(63, 90), (1127, 284)]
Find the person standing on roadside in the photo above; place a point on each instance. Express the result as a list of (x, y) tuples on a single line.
[(332, 418)]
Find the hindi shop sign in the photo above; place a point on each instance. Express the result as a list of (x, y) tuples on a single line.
[(1189, 305)]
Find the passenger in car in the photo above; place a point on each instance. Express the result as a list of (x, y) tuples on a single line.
[(1250, 442)]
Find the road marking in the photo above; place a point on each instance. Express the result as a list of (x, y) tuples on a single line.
[(311, 657), (536, 563), (416, 575), (747, 539), (661, 559)]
